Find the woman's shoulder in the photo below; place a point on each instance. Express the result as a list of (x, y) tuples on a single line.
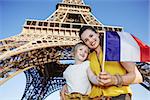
[(85, 64), (91, 54)]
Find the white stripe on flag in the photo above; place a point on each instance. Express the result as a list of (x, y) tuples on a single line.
[(130, 50)]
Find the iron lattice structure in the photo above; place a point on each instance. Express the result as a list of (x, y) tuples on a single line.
[(40, 87), (144, 68), (43, 43)]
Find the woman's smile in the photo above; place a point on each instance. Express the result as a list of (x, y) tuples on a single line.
[(93, 43)]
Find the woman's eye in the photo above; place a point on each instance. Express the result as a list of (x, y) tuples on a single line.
[(91, 35), (85, 40)]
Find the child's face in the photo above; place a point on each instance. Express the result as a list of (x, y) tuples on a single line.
[(81, 53)]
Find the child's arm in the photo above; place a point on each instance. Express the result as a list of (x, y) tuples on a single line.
[(92, 77)]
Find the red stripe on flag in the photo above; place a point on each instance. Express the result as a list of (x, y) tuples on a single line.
[(145, 50)]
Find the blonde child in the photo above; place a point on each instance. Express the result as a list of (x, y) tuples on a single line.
[(79, 76)]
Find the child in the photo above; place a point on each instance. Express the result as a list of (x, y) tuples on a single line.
[(78, 75)]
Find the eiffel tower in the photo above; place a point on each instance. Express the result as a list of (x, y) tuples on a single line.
[(43, 48)]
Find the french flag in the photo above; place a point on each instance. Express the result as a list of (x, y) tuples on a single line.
[(122, 46)]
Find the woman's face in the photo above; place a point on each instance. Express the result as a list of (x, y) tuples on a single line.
[(90, 38)]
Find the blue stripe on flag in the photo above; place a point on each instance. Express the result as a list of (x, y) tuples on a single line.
[(112, 46)]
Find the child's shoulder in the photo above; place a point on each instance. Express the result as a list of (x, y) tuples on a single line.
[(86, 62), (67, 69)]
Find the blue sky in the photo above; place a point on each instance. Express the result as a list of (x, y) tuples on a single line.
[(133, 15)]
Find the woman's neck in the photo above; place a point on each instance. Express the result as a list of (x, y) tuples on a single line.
[(97, 50)]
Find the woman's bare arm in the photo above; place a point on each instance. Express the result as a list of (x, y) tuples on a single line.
[(133, 75), (129, 77), (63, 91)]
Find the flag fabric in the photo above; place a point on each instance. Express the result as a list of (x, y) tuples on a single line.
[(122, 46)]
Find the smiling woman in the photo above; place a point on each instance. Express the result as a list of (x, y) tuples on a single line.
[(131, 14)]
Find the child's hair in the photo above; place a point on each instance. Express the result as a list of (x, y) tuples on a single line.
[(83, 28), (77, 45)]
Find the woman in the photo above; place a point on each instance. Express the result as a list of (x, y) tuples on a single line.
[(115, 79)]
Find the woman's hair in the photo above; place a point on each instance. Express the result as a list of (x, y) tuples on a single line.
[(83, 28)]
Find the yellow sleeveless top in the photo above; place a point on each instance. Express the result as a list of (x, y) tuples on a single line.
[(112, 68)]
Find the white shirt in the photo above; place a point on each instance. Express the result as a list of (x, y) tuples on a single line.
[(77, 78)]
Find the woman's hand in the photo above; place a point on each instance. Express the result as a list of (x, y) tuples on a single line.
[(63, 91), (132, 76), (105, 79)]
